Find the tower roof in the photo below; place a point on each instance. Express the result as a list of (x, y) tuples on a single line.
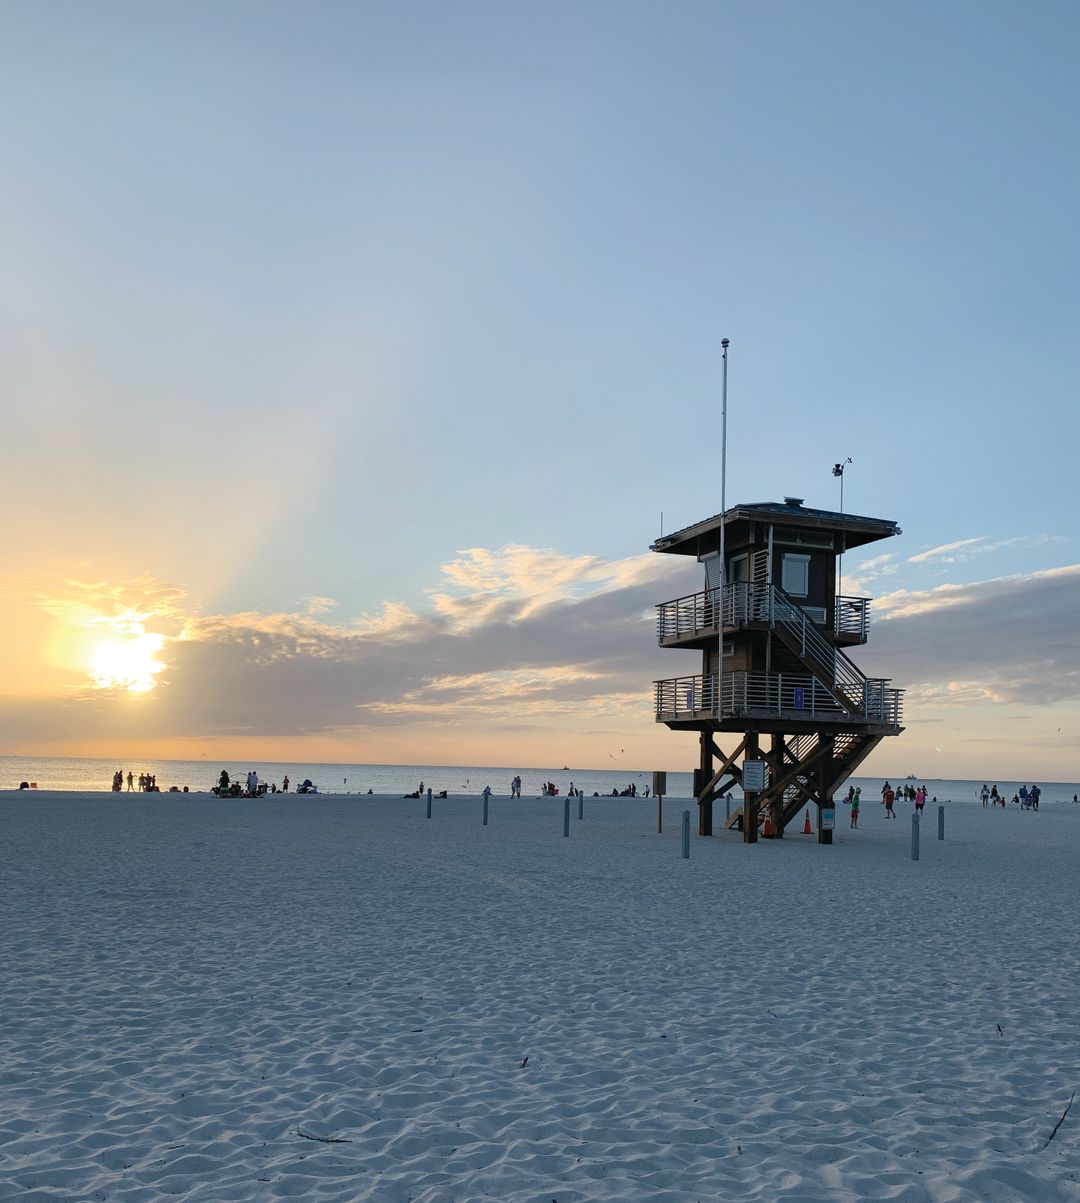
[(703, 536)]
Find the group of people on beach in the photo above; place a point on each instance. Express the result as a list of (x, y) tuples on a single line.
[(1025, 798), (252, 787), (889, 795), (147, 782)]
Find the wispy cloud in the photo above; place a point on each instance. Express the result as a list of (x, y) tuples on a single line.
[(965, 549), (947, 551)]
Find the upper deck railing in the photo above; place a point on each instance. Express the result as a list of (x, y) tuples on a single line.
[(743, 603)]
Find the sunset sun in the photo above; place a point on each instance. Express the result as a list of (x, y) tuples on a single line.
[(127, 662)]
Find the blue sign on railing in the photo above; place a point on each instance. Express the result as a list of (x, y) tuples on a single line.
[(800, 697)]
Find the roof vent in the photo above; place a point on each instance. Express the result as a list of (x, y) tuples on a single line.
[(793, 501)]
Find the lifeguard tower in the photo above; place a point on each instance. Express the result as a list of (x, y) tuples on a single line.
[(782, 700)]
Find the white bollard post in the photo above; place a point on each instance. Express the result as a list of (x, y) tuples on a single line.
[(914, 837), (580, 805), (686, 834), (566, 818), (429, 804), (485, 809), (941, 822)]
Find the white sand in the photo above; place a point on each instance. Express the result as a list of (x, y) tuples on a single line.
[(186, 984)]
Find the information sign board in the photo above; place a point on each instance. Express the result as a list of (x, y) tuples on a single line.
[(753, 776)]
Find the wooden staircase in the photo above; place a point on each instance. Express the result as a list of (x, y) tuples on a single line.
[(813, 769)]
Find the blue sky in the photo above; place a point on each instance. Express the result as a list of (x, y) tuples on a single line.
[(302, 301)]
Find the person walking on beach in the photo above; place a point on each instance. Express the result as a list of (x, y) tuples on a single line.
[(855, 810), (1034, 796), (920, 800), (285, 785), (890, 797), (131, 782), (985, 795)]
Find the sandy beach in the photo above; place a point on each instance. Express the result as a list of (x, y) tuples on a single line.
[(337, 999)]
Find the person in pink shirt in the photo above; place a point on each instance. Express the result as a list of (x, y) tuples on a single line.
[(920, 799)]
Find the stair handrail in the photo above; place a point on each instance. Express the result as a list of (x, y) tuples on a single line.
[(858, 689)]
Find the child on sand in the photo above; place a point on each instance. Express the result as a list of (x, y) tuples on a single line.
[(855, 808)]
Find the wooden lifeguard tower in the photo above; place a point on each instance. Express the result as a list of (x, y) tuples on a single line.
[(786, 694)]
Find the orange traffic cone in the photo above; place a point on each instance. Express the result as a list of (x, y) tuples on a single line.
[(806, 824), (768, 832)]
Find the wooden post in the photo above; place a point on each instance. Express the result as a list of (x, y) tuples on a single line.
[(776, 767), (702, 776), (659, 814), (750, 802), (429, 804), (824, 799), (705, 817)]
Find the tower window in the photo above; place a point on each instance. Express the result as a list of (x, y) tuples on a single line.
[(795, 574)]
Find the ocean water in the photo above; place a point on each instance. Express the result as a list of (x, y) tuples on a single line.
[(89, 775), (74, 773)]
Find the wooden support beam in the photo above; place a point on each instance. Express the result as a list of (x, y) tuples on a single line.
[(703, 774), (750, 801), (776, 764), (824, 775), (726, 766)]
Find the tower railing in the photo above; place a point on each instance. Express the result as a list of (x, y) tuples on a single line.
[(788, 695), (696, 612)]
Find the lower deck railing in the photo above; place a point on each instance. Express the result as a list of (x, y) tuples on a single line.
[(772, 694)]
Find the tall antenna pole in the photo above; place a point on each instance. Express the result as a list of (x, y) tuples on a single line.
[(838, 470), (725, 343)]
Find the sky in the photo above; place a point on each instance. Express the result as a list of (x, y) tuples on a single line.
[(352, 356)]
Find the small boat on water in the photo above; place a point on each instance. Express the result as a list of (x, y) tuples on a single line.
[(912, 777)]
